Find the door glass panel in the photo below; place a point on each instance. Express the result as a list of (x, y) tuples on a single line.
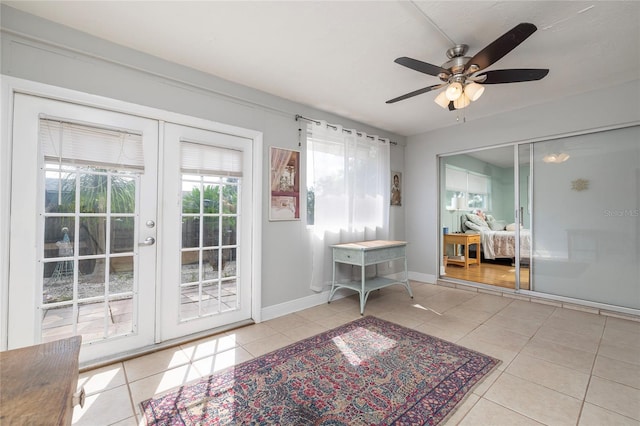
[(93, 229), (190, 266), (123, 192), (122, 236), (211, 231), (211, 298), (121, 275), (211, 265), (229, 295), (189, 301), (93, 192), (85, 262), (121, 310), (60, 192)]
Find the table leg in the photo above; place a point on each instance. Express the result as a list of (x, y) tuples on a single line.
[(333, 283), (363, 299), (406, 277), (466, 256)]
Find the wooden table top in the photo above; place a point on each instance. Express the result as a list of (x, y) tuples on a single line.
[(37, 383), (369, 245)]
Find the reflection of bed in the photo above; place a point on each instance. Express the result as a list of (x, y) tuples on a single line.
[(500, 243), (283, 208)]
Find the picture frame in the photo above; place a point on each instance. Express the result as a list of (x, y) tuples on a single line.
[(396, 189), (284, 184)]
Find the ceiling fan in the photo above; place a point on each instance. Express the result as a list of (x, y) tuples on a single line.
[(458, 74)]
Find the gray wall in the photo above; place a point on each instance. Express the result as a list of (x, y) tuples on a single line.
[(42, 51), (592, 110)]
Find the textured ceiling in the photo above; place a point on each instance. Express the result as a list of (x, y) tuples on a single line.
[(338, 56)]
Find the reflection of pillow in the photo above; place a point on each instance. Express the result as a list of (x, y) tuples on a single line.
[(477, 220), (475, 227), (496, 225), (512, 227)]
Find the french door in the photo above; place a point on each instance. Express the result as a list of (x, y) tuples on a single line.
[(206, 258), (83, 214), (110, 242)]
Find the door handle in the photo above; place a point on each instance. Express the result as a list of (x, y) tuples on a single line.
[(149, 241)]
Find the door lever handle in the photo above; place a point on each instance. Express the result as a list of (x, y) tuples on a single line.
[(149, 241)]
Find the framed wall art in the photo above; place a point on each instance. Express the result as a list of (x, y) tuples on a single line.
[(285, 184), (396, 188)]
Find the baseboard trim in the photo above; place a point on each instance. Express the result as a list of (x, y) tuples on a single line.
[(275, 311), (425, 278)]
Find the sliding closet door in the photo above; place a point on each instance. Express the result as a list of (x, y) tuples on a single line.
[(586, 217), (523, 207), (482, 180)]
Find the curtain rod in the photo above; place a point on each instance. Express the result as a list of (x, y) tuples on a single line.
[(334, 127)]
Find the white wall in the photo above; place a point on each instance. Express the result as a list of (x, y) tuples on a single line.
[(45, 52), (592, 110)]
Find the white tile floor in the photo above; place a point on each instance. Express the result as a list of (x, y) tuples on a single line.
[(559, 366)]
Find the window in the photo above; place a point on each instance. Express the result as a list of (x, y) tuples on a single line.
[(473, 188), (347, 179), (348, 192)]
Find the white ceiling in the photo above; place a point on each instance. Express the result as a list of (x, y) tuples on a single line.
[(338, 56)]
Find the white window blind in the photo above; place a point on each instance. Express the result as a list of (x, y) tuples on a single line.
[(72, 143), (200, 159), (456, 180), (478, 184)]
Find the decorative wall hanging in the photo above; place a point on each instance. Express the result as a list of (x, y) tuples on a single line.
[(396, 188), (580, 185), (285, 184)]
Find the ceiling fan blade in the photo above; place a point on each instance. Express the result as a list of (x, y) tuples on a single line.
[(415, 93), (501, 46), (420, 66), (513, 75)]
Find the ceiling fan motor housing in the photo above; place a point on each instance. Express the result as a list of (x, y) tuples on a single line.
[(455, 64)]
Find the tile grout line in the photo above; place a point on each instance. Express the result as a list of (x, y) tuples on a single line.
[(131, 401)]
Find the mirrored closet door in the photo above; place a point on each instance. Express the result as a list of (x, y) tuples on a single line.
[(559, 217), (522, 239), (586, 191), (478, 216)]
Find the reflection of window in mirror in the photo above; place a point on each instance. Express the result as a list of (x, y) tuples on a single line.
[(474, 189)]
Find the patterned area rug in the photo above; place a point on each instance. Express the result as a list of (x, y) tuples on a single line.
[(368, 371)]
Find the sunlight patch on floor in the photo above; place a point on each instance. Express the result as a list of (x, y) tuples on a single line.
[(361, 344)]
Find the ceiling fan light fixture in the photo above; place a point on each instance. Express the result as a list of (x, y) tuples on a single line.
[(463, 101), (454, 91), (442, 100), (556, 158), (473, 91)]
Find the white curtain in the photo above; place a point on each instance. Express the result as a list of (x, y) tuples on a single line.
[(349, 174)]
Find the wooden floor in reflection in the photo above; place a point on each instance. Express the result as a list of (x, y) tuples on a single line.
[(490, 273)]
